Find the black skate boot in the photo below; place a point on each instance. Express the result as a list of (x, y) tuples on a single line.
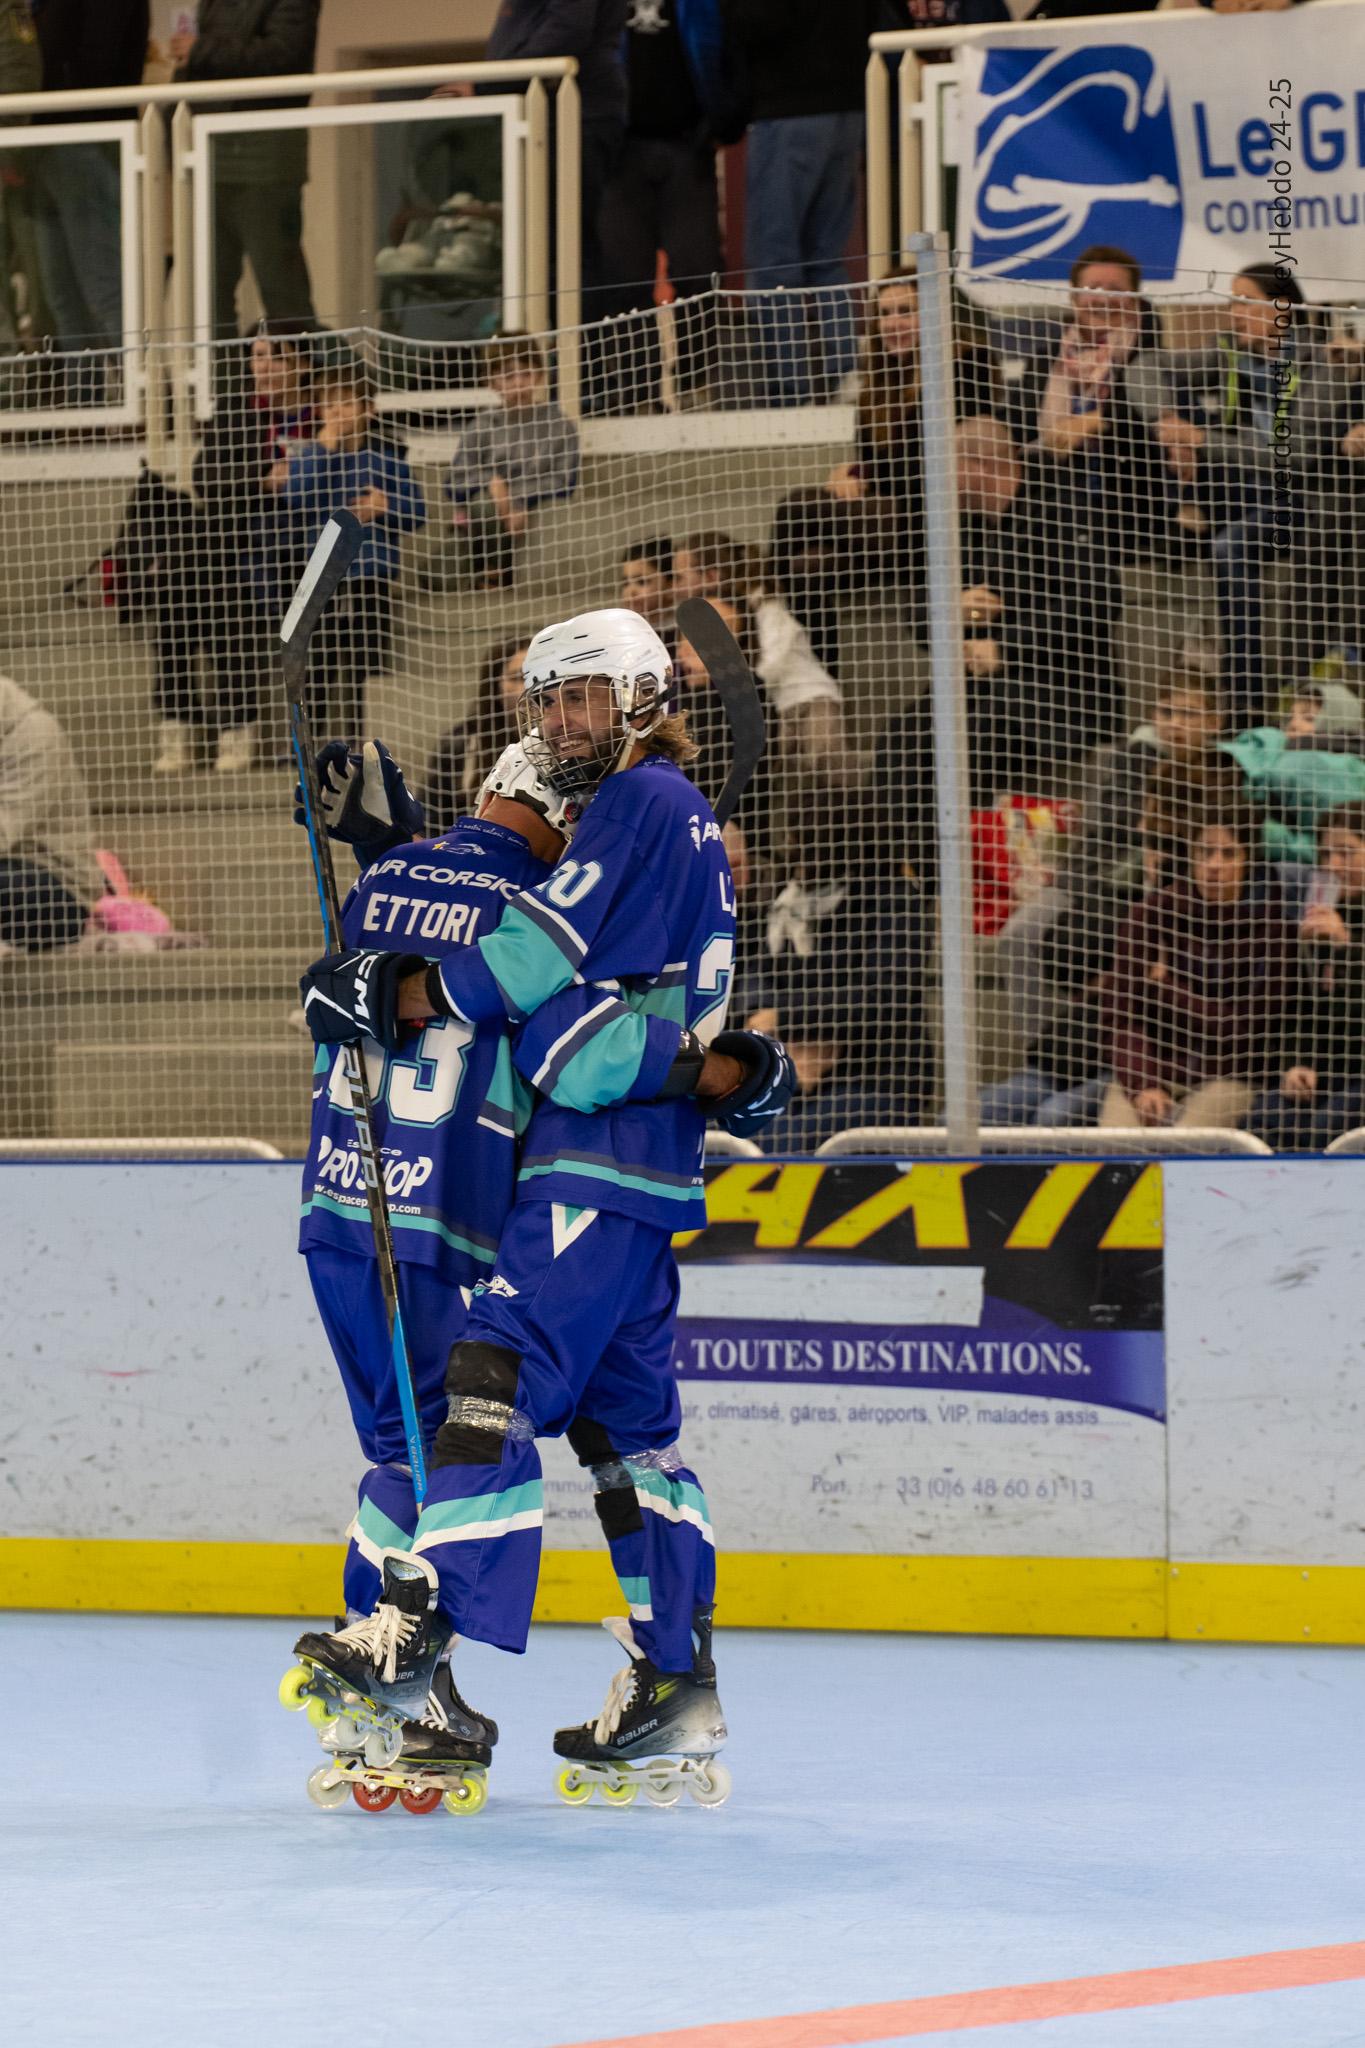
[(658, 1731), (377, 1672), (442, 1756)]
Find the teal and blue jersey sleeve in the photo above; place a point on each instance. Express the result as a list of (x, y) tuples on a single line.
[(549, 934), (587, 1049)]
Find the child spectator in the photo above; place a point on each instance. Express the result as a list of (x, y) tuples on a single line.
[(1321, 1091), (1309, 763), (804, 694), (647, 586), (463, 759), (510, 459), (1196, 998), (351, 465), (48, 877)]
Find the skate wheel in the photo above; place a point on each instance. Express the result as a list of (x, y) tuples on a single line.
[(619, 1795), (710, 1784), (661, 1792), (382, 1747), (420, 1802), (324, 1790), (293, 1688), (469, 1796), (573, 1788), (373, 1798), (319, 1713)]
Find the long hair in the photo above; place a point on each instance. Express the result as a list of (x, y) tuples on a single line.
[(891, 384)]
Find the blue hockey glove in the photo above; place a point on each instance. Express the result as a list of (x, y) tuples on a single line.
[(768, 1085), (365, 802), (354, 995)]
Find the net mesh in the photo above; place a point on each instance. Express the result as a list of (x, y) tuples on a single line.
[(1159, 610)]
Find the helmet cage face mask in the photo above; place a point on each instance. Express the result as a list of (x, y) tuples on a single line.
[(583, 751)]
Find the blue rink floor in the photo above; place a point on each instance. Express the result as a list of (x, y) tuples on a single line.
[(911, 1816)]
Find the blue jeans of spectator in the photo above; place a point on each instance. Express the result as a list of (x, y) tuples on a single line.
[(1032, 1097), (38, 914), (801, 200), (1242, 553), (78, 224), (1288, 1126)]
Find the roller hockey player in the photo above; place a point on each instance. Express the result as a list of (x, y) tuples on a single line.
[(574, 1329)]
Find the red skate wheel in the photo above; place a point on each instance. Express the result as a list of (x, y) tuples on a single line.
[(421, 1802), (373, 1798)]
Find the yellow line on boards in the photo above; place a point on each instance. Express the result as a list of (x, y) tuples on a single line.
[(1063, 1596)]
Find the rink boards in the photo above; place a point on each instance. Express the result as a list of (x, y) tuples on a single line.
[(1085, 1398)]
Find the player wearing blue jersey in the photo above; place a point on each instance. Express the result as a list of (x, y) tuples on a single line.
[(574, 1328)]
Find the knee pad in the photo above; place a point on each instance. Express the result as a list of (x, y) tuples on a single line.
[(614, 1499), (481, 1393)]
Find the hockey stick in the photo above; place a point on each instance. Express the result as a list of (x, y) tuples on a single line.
[(733, 681), (331, 558)]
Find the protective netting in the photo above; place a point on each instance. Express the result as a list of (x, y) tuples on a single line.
[(1159, 609)]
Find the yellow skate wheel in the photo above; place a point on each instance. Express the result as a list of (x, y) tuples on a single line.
[(319, 1713), (619, 1795), (294, 1687), (469, 1796), (323, 1793), (573, 1788), (710, 1784)]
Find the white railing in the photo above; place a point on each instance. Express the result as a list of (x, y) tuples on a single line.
[(932, 1140), (48, 1149), (1348, 1142)]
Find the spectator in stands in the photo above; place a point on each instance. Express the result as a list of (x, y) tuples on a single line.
[(258, 178), (1108, 347), (804, 695), (647, 585), (227, 566), (1196, 999), (78, 208), (662, 195), (593, 32), (21, 268), (49, 880), (806, 62), (887, 480), (840, 978), (510, 459), (351, 465), (1321, 1092), (1260, 385), (464, 757), (1313, 760)]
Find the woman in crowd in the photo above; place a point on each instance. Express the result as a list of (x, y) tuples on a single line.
[(1195, 1006), (1321, 1091), (462, 758)]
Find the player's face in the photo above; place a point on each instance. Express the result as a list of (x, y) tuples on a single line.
[(1218, 862), (274, 372), (1343, 855), (577, 720)]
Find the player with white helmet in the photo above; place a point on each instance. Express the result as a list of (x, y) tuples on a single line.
[(573, 1330)]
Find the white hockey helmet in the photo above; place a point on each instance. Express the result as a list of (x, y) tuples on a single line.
[(517, 780), (613, 646)]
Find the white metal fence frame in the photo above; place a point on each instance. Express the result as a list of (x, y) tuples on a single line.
[(935, 1141)]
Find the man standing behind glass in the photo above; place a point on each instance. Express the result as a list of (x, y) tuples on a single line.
[(258, 178), (85, 43)]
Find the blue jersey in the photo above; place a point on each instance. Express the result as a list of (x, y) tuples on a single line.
[(450, 1107), (643, 902)]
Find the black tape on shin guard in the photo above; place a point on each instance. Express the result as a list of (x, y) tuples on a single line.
[(617, 1508), (484, 1373)]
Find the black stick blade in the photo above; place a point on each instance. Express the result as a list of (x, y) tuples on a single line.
[(733, 681), (338, 545)]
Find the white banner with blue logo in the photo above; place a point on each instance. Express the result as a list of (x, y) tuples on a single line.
[(1198, 143)]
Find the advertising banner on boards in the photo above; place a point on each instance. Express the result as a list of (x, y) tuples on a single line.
[(950, 1358), (1197, 144)]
